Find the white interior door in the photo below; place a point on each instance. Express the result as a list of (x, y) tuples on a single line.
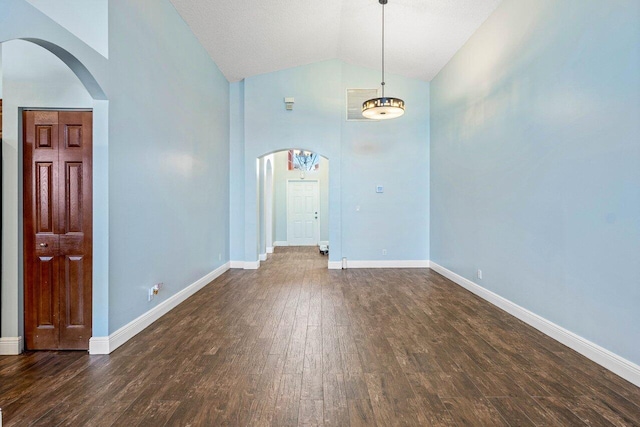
[(303, 223)]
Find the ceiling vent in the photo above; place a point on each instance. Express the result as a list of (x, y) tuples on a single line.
[(355, 99)]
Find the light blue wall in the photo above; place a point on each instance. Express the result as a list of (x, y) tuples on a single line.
[(314, 124), (161, 158), (535, 164), (236, 170), (168, 157), (87, 19), (32, 78), (393, 153), (19, 19), (0, 70)]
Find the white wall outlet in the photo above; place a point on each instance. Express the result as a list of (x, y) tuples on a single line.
[(154, 290), (379, 189), (479, 274), (358, 208), (384, 252), (219, 257), (157, 288)]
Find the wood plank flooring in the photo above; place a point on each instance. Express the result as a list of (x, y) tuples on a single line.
[(296, 344)]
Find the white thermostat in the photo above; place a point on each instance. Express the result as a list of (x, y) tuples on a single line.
[(288, 102)]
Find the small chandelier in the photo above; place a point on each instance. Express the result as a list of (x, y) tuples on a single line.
[(304, 160), (385, 107)]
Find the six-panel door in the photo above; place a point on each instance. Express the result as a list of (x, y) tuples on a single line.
[(57, 229), (303, 227)]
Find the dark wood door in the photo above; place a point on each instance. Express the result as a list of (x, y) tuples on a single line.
[(57, 229)]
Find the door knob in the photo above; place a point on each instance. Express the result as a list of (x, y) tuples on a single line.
[(44, 245)]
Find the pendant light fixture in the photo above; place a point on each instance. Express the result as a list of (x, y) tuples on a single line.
[(385, 107)]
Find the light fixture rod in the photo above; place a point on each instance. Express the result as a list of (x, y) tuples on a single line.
[(383, 3)]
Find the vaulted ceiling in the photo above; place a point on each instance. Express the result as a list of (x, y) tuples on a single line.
[(250, 37)]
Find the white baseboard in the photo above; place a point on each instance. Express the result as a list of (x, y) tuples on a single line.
[(11, 346), (106, 345), (269, 249), (388, 264), (280, 243), (616, 364), (335, 265), (251, 265), (246, 265), (263, 257), (101, 345)]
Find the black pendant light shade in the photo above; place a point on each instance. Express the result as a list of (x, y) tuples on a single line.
[(383, 108)]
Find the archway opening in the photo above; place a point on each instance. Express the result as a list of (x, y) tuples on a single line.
[(293, 200), (39, 75)]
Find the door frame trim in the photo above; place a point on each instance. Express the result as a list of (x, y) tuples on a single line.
[(22, 342)]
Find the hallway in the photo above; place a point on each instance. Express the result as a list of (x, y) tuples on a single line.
[(296, 344)]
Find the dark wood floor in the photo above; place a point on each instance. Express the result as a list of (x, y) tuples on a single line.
[(296, 344)]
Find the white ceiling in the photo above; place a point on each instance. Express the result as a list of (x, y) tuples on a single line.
[(250, 37)]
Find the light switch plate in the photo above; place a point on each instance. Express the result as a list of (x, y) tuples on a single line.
[(379, 189)]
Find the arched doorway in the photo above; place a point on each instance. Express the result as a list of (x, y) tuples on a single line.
[(70, 86), (293, 199)]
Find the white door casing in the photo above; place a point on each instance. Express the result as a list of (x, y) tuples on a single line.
[(303, 215)]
